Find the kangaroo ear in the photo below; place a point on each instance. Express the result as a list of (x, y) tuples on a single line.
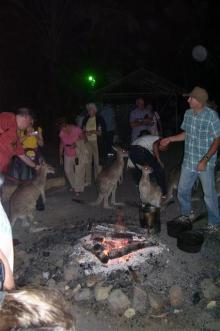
[(115, 148), (42, 160), (139, 166)]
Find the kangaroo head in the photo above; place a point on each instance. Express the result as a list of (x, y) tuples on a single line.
[(46, 168), (146, 169), (121, 151)]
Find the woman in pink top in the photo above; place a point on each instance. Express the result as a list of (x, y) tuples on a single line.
[(69, 135)]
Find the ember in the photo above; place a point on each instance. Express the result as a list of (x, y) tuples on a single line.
[(106, 242)]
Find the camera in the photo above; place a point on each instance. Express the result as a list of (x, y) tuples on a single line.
[(34, 133)]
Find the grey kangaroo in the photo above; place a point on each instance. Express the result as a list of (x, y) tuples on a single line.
[(23, 201), (150, 193), (108, 179)]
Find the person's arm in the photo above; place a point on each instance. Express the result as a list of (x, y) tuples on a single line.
[(61, 149), (29, 162), (40, 139), (212, 150), (171, 139), (156, 152), (9, 283), (101, 130), (138, 122)]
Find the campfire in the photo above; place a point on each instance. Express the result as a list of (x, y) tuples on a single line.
[(113, 241), (111, 247)]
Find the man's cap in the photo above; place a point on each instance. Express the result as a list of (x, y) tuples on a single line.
[(200, 94)]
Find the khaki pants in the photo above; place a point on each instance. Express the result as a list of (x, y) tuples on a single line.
[(93, 155), (75, 174)]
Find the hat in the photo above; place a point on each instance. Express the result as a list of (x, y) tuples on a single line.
[(200, 94)]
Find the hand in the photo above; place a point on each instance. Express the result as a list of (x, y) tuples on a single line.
[(201, 165), (98, 133), (37, 167), (165, 141), (140, 121), (161, 164)]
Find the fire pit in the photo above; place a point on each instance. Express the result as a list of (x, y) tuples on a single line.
[(112, 241), (109, 247)]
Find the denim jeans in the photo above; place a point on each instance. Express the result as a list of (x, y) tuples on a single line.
[(186, 182)]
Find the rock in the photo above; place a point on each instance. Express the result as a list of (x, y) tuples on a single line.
[(139, 300), (209, 289), (61, 286), (118, 301), (157, 302), (70, 273), (77, 288), (91, 280), (51, 283), (59, 263), (176, 296), (129, 313), (211, 305), (102, 293), (83, 295), (46, 275)]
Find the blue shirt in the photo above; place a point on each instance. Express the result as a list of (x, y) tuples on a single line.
[(201, 129), (108, 115), (139, 114)]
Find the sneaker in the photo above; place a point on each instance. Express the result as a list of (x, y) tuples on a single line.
[(212, 228), (183, 218), (192, 215)]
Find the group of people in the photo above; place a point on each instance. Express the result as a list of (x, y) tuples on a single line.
[(81, 150), (10, 146), (201, 136)]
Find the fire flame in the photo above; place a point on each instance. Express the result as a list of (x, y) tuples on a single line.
[(111, 244)]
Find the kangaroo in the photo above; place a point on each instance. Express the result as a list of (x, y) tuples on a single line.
[(173, 181), (109, 178), (150, 193), (23, 201), (40, 308)]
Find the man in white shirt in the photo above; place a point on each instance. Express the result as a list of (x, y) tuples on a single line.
[(145, 151), (6, 249)]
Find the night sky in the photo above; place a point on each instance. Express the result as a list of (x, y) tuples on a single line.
[(48, 46)]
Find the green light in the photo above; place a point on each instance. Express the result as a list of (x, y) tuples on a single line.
[(91, 80)]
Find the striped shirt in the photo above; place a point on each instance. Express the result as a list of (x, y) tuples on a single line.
[(200, 131)]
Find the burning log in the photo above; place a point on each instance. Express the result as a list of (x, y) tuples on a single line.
[(105, 248), (118, 252), (111, 235)]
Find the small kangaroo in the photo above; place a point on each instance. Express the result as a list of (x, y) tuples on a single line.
[(23, 201), (150, 193), (173, 181), (108, 180)]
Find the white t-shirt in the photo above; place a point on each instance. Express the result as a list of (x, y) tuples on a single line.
[(6, 243), (146, 142)]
